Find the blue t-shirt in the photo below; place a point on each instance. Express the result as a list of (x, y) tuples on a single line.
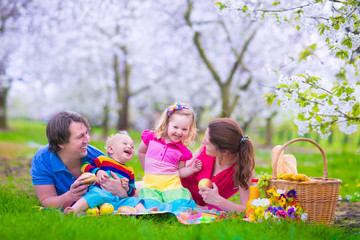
[(48, 169)]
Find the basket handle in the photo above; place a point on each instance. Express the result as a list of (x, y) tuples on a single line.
[(274, 174)]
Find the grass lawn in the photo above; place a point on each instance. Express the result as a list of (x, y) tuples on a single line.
[(19, 220)]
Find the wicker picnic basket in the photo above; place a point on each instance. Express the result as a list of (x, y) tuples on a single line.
[(318, 196)]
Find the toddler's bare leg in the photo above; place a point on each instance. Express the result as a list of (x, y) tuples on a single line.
[(69, 210), (79, 206)]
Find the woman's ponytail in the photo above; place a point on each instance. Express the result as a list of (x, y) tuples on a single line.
[(226, 135), (245, 164)]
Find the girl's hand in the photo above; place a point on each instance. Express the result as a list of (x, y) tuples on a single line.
[(102, 176), (125, 184), (210, 195), (114, 186), (196, 166)]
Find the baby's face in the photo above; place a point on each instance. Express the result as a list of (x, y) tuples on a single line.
[(123, 148)]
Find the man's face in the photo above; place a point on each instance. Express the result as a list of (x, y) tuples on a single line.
[(78, 141)]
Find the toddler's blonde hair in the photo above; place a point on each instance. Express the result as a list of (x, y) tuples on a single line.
[(162, 125)]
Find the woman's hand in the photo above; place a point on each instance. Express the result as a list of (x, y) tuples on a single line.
[(211, 195), (114, 186)]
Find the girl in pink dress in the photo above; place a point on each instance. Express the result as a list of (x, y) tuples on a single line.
[(228, 160), (163, 153)]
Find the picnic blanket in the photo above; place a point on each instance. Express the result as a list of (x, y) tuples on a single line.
[(197, 216)]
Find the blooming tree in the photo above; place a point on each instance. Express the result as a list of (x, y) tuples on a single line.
[(97, 47), (96, 57), (328, 94), (241, 56), (10, 11)]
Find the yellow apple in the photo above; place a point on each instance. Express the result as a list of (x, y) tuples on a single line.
[(106, 209), (92, 211), (205, 183)]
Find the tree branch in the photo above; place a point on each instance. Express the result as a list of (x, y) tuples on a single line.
[(246, 85), (234, 104), (199, 47), (283, 10), (240, 57)]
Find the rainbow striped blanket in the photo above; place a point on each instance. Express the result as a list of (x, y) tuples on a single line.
[(197, 216)]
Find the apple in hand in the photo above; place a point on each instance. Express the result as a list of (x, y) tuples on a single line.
[(106, 209), (205, 183), (92, 211)]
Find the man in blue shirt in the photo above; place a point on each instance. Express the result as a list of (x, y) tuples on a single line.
[(56, 166)]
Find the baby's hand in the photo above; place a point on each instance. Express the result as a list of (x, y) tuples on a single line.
[(102, 176), (125, 184), (196, 166)]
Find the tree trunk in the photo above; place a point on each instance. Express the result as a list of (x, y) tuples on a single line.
[(123, 123), (105, 123), (3, 111), (225, 97), (117, 80), (269, 132), (269, 129)]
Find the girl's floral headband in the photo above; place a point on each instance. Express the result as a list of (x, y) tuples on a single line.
[(175, 107)]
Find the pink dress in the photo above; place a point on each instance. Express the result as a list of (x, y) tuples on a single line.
[(223, 180), (163, 158), (162, 181)]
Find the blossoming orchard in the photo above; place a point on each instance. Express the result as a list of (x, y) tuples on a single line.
[(325, 88)]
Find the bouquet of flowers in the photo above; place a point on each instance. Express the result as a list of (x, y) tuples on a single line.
[(279, 206)]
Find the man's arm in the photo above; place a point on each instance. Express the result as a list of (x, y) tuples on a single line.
[(48, 197)]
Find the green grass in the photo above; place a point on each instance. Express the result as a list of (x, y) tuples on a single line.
[(20, 220), (25, 132)]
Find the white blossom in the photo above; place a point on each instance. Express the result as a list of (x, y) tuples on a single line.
[(304, 216), (347, 129), (260, 202), (280, 191), (303, 126)]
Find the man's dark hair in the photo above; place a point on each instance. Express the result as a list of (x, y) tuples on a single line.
[(57, 129)]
